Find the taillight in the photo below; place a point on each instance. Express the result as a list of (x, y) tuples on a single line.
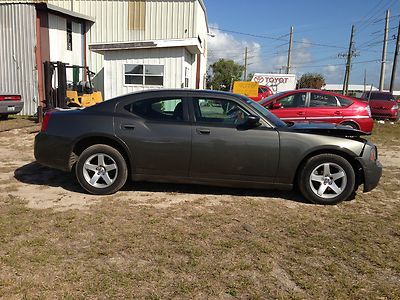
[(369, 111), (46, 120), (10, 98)]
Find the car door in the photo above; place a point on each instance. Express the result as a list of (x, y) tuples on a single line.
[(158, 133), (324, 107), (220, 151), (290, 107)]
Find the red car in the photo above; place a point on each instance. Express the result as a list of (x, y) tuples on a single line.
[(320, 106), (263, 92), (383, 105)]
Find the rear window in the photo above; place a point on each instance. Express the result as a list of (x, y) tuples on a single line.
[(379, 96), (344, 101)]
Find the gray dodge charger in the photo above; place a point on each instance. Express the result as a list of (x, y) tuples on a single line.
[(205, 137)]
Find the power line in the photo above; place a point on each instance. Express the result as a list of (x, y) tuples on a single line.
[(342, 64), (277, 38)]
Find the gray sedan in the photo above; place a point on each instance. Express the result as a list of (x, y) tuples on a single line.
[(204, 137), (10, 103)]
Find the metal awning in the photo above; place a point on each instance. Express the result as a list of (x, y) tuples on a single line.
[(193, 45)]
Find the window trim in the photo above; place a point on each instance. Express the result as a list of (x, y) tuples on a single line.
[(143, 77)]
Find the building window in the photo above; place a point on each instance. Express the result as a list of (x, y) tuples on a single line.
[(186, 77), (69, 35), (144, 74)]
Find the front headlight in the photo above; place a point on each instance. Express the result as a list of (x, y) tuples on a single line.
[(395, 107)]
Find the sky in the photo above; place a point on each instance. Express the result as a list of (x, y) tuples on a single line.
[(322, 31)]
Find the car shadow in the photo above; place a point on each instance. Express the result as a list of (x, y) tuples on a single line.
[(36, 174)]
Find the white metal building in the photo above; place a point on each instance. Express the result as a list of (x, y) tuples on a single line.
[(31, 34), (108, 22)]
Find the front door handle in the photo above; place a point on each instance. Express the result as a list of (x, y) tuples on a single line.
[(203, 131), (301, 113), (338, 113)]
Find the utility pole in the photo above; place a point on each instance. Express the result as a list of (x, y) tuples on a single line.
[(385, 40), (348, 63), (245, 65), (289, 58), (396, 53), (365, 80)]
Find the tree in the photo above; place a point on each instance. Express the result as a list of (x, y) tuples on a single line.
[(312, 81), (224, 72)]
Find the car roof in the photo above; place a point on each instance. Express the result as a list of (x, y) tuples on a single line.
[(316, 91)]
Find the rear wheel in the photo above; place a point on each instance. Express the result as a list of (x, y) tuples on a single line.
[(101, 170), (327, 179), (3, 117), (350, 124)]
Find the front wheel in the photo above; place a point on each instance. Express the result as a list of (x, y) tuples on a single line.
[(327, 179), (101, 170)]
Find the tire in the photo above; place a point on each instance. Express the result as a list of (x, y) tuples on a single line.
[(318, 188), (101, 170), (3, 117), (351, 124)]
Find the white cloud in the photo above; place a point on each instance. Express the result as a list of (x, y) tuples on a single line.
[(225, 45), (331, 69), (301, 56)]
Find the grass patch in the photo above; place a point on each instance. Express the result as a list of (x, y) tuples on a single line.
[(245, 248)]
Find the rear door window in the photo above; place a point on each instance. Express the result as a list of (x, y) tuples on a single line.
[(158, 109), (323, 100)]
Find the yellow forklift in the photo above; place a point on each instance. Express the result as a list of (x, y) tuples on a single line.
[(78, 93)]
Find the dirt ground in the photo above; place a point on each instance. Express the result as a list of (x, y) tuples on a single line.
[(166, 241)]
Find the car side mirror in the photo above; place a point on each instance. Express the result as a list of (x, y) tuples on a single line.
[(252, 121), (276, 105)]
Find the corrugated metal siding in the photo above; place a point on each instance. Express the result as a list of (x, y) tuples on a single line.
[(164, 20), (18, 72)]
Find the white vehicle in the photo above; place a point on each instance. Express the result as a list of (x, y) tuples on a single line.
[(276, 82)]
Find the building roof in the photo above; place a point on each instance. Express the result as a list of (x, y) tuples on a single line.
[(352, 87), (192, 44)]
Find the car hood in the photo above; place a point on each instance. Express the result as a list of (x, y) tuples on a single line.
[(326, 129)]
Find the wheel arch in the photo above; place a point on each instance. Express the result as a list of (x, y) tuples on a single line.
[(84, 142), (358, 170), (351, 122)]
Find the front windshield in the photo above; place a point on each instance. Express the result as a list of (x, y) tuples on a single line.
[(265, 112), (272, 97)]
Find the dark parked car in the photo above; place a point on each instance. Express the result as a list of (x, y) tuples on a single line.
[(383, 105), (320, 106), (10, 103), (204, 137)]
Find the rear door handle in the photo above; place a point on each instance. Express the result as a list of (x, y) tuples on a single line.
[(203, 131), (128, 126)]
